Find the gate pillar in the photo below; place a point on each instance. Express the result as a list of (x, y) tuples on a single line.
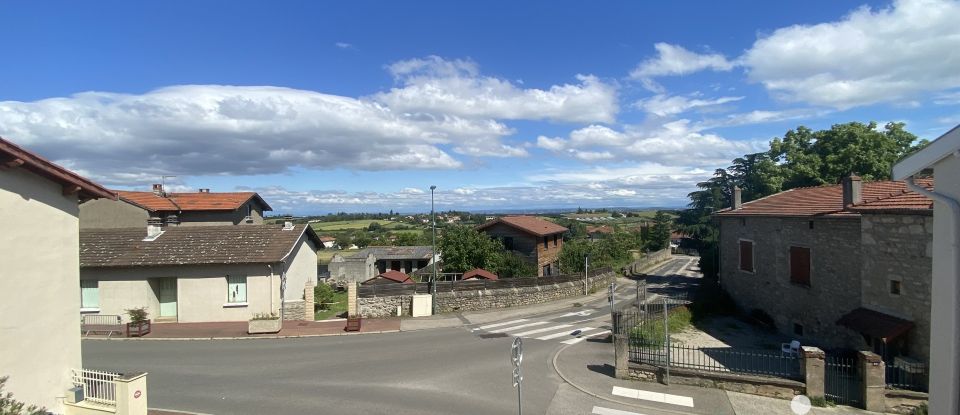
[(873, 381)]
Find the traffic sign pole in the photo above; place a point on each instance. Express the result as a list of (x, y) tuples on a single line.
[(516, 357)]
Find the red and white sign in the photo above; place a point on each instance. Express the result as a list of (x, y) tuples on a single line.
[(136, 395)]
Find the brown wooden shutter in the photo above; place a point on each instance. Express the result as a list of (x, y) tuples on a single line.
[(746, 256), (800, 265)]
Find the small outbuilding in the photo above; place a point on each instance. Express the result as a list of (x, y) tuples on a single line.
[(479, 274), (389, 277)]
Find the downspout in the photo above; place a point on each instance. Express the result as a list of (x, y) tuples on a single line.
[(955, 244), (270, 266)]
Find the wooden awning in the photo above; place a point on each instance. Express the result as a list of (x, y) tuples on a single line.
[(875, 324)]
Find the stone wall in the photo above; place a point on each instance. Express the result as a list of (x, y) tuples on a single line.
[(294, 310), (646, 260), (899, 248), (834, 288), (903, 401), (447, 302), (754, 385)]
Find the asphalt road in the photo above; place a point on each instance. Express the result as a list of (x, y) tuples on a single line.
[(462, 370)]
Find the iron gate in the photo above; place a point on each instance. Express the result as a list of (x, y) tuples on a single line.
[(842, 381)]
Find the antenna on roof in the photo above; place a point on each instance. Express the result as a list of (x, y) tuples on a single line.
[(163, 179)]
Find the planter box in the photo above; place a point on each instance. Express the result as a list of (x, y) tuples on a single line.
[(138, 329), (264, 326)]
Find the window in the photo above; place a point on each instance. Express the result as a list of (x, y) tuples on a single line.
[(798, 329), (555, 240), (546, 242), (895, 287), (89, 294), (746, 256), (508, 243), (800, 265), (236, 289), (810, 224), (743, 221)]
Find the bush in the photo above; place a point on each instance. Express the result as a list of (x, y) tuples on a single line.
[(818, 401), (920, 410), (265, 316), (322, 293), (10, 406), (650, 333), (137, 315)]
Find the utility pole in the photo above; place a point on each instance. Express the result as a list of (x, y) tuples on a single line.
[(586, 270), (433, 288)]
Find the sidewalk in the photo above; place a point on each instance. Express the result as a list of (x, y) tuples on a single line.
[(238, 329), (587, 366)]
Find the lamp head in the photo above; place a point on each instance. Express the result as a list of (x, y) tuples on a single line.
[(433, 187)]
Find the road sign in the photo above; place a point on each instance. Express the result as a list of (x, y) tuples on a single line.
[(516, 357), (611, 291)]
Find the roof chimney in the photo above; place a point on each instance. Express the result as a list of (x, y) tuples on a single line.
[(154, 228), (204, 190), (852, 191), (172, 220), (288, 222), (158, 189), (737, 198)]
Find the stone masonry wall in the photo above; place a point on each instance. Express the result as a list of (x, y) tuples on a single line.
[(293, 310), (646, 260), (899, 247), (834, 289), (457, 301)]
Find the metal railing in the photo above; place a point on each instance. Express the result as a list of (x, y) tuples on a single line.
[(387, 289), (908, 375), (98, 387), (720, 359)]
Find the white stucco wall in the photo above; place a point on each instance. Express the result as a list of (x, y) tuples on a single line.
[(39, 288), (302, 267), (945, 287), (201, 290)]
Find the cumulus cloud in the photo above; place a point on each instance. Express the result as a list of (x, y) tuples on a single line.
[(664, 105), (215, 129), (679, 142), (869, 56), (343, 45), (412, 191), (435, 85), (676, 60)]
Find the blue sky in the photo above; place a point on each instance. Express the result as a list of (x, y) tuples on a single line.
[(324, 107)]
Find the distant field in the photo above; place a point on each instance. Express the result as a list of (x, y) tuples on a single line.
[(345, 225), (324, 255)]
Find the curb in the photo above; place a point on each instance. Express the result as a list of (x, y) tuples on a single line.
[(176, 411), (298, 336)]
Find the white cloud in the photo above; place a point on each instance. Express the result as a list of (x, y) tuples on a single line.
[(436, 85), (664, 105), (343, 45), (214, 129), (412, 191), (678, 143), (870, 56), (622, 192), (675, 60), (947, 98), (464, 191)]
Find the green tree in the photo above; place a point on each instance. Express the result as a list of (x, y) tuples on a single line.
[(511, 265), (11, 406), (374, 227), (660, 235), (464, 248)]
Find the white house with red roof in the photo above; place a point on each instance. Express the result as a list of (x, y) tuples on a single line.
[(201, 208)]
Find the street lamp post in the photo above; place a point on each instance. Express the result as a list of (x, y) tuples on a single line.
[(433, 288)]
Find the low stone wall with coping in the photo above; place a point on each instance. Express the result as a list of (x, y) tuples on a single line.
[(755, 385), (900, 401), (644, 261), (457, 301)]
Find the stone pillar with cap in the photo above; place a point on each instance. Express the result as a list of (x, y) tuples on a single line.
[(873, 381), (814, 370)]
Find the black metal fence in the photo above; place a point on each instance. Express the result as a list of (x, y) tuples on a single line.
[(842, 381), (908, 375), (376, 290)]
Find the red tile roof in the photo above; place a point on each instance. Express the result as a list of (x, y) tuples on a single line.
[(191, 201), (882, 196), (479, 273), (14, 156), (875, 324), (529, 224), (392, 275), (599, 229)]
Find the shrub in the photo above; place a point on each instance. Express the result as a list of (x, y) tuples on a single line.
[(137, 315), (265, 316), (920, 410), (650, 333), (322, 293), (818, 401), (10, 406)]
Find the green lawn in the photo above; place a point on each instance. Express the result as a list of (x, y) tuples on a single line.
[(340, 298), (344, 225), (324, 255)]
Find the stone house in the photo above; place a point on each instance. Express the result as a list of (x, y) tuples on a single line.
[(133, 209), (199, 274), (941, 158), (39, 288), (843, 266), (371, 261), (537, 240)]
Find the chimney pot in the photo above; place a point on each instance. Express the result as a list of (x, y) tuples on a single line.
[(852, 190), (737, 198), (158, 189), (204, 190), (172, 220), (154, 228)]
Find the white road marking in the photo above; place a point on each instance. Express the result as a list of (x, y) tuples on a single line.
[(599, 410), (653, 396), (490, 326), (582, 337), (527, 333), (583, 313), (564, 333), (504, 330)]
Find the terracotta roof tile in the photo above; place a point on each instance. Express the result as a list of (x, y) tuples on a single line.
[(189, 245), (13, 155), (828, 201), (529, 224), (191, 201), (392, 275), (479, 273)]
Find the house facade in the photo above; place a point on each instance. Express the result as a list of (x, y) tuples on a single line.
[(39, 284), (199, 274), (374, 260), (941, 158), (537, 240), (844, 266), (203, 208)]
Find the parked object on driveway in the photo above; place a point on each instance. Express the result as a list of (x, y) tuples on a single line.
[(353, 324), (264, 323), (139, 324), (101, 324)]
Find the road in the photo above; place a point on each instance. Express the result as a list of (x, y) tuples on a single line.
[(462, 370)]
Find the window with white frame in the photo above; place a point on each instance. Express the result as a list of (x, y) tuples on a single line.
[(89, 294), (236, 289)]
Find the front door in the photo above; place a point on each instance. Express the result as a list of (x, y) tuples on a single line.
[(168, 297)]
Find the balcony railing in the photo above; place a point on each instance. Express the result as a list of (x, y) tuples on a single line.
[(98, 387)]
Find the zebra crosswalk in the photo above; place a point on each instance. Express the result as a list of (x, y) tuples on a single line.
[(546, 330)]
